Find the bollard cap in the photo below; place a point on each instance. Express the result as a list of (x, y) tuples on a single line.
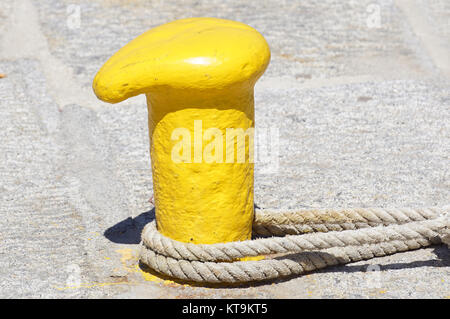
[(194, 53)]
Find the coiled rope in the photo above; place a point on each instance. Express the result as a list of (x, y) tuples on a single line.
[(313, 239)]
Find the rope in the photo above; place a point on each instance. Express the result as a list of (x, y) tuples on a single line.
[(322, 238), (275, 223)]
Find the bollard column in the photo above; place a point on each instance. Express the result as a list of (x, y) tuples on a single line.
[(198, 75)]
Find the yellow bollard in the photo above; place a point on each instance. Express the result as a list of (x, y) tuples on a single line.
[(198, 75)]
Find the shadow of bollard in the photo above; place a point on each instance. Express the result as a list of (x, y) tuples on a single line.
[(129, 230)]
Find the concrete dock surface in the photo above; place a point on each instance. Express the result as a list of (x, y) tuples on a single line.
[(358, 93)]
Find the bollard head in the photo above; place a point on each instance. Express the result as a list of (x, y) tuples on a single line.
[(194, 53)]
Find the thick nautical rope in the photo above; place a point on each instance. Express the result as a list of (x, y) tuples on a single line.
[(322, 238), (293, 222)]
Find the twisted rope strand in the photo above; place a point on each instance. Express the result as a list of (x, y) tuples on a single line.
[(294, 222), (294, 243), (247, 271)]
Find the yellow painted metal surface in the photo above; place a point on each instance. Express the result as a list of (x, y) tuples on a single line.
[(198, 75)]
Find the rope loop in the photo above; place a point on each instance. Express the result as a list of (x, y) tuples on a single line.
[(312, 239)]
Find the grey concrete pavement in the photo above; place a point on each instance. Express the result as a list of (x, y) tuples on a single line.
[(357, 90)]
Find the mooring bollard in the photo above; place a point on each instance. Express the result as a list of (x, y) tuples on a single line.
[(198, 75)]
